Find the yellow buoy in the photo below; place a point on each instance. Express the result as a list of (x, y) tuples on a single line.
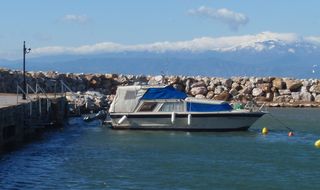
[(317, 144), (264, 131)]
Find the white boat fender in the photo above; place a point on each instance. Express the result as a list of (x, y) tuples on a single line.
[(123, 118), (173, 117), (189, 119)]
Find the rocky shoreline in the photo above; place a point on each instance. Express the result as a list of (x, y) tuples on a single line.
[(97, 90)]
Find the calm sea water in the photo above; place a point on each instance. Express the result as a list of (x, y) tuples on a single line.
[(88, 156)]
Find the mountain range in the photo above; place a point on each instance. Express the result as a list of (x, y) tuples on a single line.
[(265, 54)]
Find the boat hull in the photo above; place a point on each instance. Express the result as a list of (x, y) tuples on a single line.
[(183, 122)]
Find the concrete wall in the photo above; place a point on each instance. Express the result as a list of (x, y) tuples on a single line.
[(18, 122)]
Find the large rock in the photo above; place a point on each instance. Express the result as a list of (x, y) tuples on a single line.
[(253, 79), (246, 90), (293, 85), (215, 82), (198, 90), (284, 92), (237, 79), (279, 99), (159, 79), (236, 86), (110, 76), (283, 98), (257, 92), (106, 83), (225, 96), (317, 98), (266, 87), (261, 98), (315, 89), (94, 81), (200, 96), (227, 82), (306, 83), (244, 80), (233, 92), (206, 80), (210, 95), (258, 80), (101, 102), (219, 89), (173, 79), (123, 80), (278, 83), (306, 96), (198, 84), (188, 84), (304, 89), (268, 79), (295, 96), (211, 87), (52, 74)]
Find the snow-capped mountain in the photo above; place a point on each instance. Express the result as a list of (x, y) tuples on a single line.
[(264, 54), (260, 42)]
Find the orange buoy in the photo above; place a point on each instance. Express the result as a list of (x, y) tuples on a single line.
[(290, 134)]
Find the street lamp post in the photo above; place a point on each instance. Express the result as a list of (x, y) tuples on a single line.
[(25, 51)]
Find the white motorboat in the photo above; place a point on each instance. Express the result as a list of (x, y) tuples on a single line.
[(165, 108)]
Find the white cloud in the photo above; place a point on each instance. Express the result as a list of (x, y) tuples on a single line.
[(258, 42), (313, 39), (81, 19), (291, 50), (233, 19)]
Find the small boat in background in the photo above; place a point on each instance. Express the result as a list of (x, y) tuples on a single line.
[(166, 108), (101, 115)]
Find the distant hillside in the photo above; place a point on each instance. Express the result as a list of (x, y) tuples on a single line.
[(262, 58)]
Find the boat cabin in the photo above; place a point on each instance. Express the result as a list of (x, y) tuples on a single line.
[(129, 99)]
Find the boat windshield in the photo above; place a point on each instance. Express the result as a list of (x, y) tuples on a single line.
[(148, 106), (172, 107)]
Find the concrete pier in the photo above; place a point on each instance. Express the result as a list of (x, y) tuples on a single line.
[(20, 119)]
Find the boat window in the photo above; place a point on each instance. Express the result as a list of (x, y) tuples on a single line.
[(130, 94), (148, 106), (172, 106)]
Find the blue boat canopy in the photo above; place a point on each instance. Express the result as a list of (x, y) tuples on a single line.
[(167, 92), (202, 107)]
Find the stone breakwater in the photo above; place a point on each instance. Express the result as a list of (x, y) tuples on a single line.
[(97, 90)]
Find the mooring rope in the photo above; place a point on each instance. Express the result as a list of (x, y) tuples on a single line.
[(282, 123)]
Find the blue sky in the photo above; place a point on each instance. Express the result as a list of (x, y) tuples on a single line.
[(73, 23)]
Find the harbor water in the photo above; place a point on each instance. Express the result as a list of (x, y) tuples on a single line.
[(89, 156)]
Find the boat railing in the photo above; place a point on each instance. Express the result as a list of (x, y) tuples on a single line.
[(252, 106), (28, 98), (74, 97)]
